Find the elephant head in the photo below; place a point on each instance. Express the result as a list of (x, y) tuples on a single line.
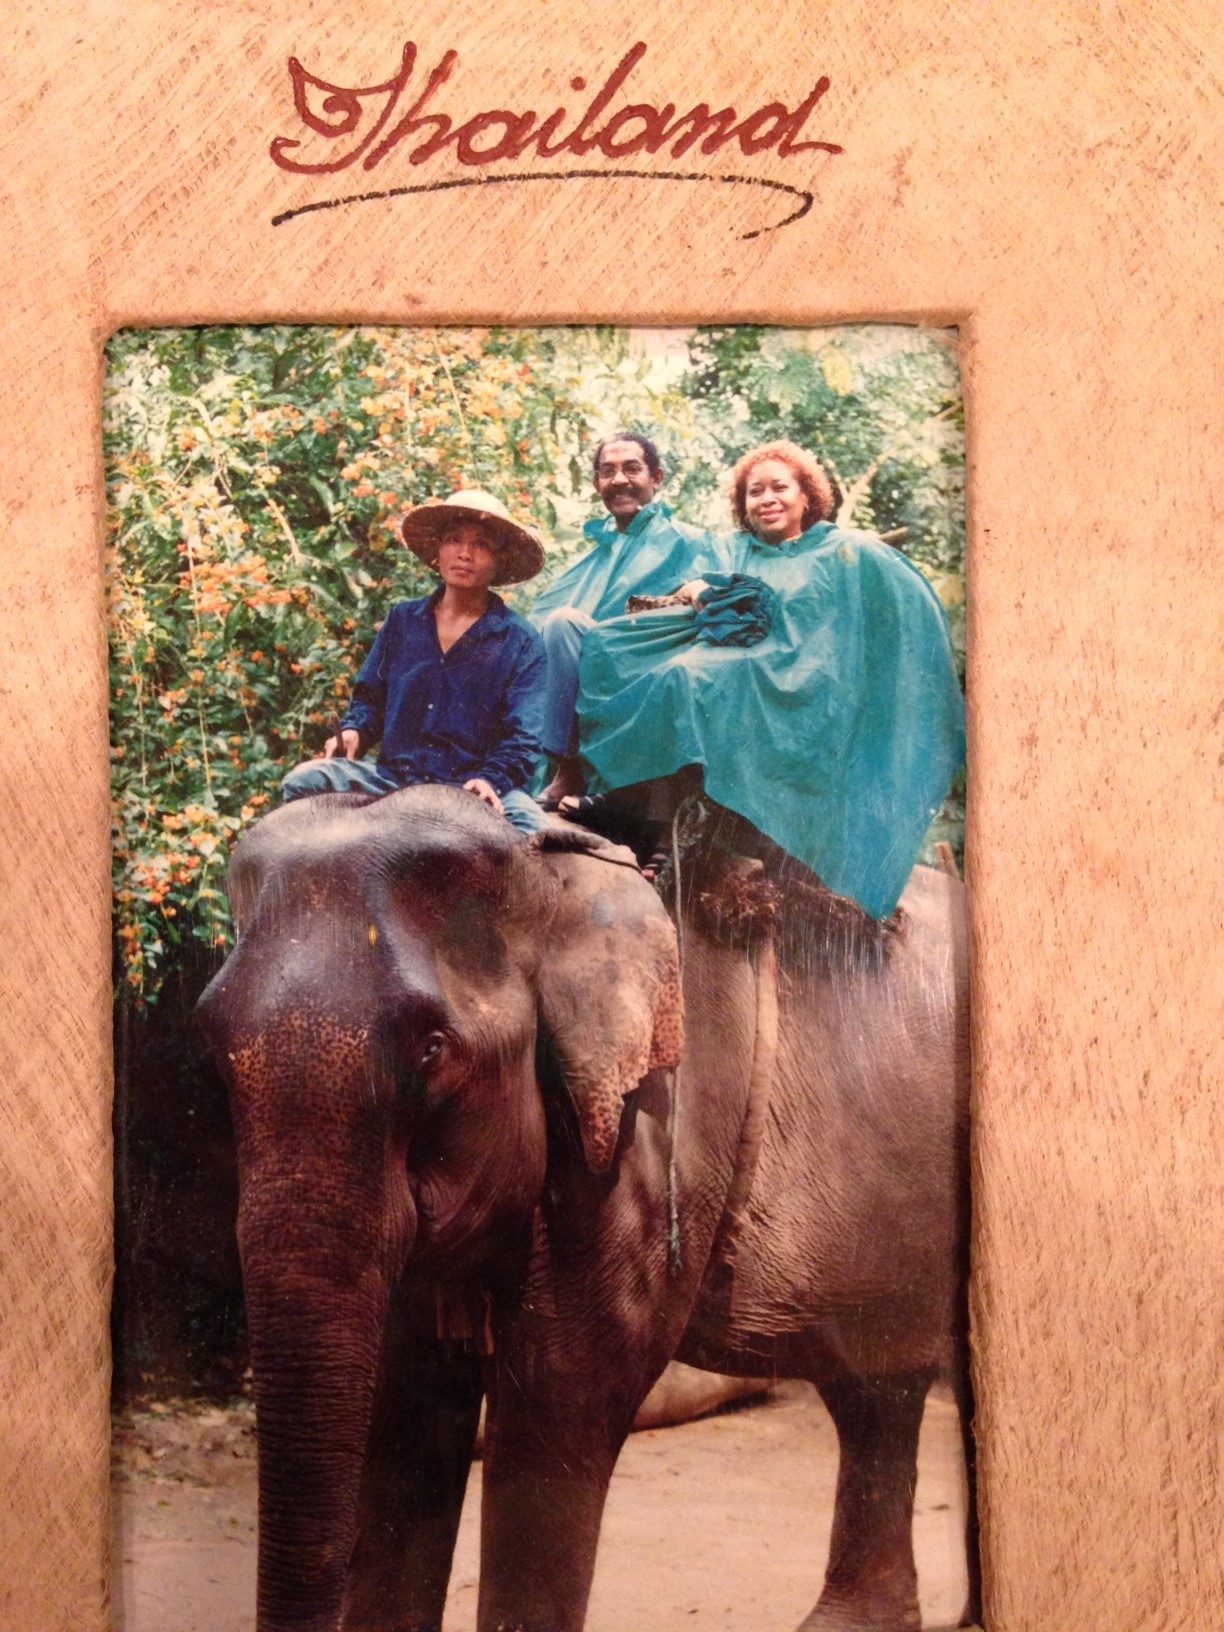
[(401, 966)]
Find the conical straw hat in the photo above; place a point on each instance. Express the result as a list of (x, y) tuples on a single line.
[(520, 555)]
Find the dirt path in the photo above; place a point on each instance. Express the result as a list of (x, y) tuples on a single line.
[(717, 1524)]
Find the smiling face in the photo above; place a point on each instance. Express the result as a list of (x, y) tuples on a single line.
[(625, 481), (774, 503), (467, 556)]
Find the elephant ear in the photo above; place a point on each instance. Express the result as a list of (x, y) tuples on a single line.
[(609, 984)]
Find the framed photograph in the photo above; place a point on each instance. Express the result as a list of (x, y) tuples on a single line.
[(633, 883), (725, 228)]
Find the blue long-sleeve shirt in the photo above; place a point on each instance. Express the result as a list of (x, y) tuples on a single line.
[(475, 710)]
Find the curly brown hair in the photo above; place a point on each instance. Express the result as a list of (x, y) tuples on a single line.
[(817, 488)]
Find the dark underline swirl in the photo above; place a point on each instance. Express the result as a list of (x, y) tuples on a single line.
[(806, 199)]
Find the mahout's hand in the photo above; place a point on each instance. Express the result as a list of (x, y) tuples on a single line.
[(349, 740), (484, 793)]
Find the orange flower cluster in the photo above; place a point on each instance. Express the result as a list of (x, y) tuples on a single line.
[(218, 585), (182, 875)]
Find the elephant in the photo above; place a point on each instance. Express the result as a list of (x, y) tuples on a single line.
[(509, 1128)]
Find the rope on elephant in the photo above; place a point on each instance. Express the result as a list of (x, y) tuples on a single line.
[(689, 821), (674, 1258)]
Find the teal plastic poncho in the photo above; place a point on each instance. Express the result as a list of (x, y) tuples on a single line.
[(837, 734), (654, 555)]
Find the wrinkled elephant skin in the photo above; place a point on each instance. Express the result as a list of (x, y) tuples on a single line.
[(462, 1174)]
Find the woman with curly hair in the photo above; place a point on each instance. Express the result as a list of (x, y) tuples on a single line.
[(813, 685)]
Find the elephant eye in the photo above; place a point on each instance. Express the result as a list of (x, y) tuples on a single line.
[(430, 1049)]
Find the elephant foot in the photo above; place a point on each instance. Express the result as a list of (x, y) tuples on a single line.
[(392, 1625), (834, 1621), (837, 1620), (833, 1616)]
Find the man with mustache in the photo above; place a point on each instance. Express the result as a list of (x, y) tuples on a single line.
[(639, 549)]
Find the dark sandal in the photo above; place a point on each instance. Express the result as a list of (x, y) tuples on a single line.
[(577, 807)]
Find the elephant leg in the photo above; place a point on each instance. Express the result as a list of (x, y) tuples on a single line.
[(871, 1584), (602, 1310), (416, 1472), (546, 1473), (575, 1364)]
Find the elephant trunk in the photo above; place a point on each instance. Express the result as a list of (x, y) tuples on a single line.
[(315, 1348), (326, 1221)]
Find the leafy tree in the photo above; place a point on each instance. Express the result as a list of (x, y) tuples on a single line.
[(256, 478)]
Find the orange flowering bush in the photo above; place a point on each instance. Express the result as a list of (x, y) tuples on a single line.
[(256, 479)]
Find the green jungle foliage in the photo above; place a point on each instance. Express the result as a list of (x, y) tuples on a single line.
[(255, 483)]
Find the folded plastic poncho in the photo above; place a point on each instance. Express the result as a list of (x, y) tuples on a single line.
[(836, 735), (736, 610)]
